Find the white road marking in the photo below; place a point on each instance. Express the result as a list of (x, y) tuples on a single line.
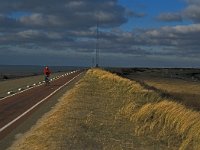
[(28, 88), (13, 121), (10, 92), (20, 89)]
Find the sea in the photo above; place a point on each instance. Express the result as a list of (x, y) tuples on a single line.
[(17, 71)]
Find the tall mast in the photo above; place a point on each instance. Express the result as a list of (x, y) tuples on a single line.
[(97, 45)]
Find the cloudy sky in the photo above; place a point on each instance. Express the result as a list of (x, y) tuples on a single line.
[(132, 33)]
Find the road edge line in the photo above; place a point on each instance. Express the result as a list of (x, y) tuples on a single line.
[(38, 85), (30, 109)]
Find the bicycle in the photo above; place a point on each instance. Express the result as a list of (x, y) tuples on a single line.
[(47, 81)]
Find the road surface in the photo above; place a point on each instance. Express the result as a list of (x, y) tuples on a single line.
[(15, 109)]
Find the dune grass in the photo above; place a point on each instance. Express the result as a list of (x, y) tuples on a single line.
[(105, 111), (185, 92)]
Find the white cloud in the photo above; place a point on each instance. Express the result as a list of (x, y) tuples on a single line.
[(70, 26), (190, 12)]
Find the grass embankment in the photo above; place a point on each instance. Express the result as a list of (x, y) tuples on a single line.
[(185, 92), (105, 111)]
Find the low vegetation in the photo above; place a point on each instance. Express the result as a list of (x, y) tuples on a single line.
[(183, 91), (105, 111)]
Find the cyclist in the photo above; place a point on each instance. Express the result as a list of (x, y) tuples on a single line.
[(47, 73)]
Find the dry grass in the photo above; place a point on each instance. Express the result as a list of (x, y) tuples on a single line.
[(185, 92), (169, 122), (105, 111)]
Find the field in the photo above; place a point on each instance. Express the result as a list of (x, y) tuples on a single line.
[(105, 111), (182, 85)]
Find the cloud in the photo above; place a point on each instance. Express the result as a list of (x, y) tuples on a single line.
[(69, 28), (190, 12), (170, 17), (180, 41), (177, 40), (68, 14), (66, 24)]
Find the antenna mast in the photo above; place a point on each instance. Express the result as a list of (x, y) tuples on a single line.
[(97, 45)]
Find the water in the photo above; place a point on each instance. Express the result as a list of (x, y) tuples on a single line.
[(14, 71)]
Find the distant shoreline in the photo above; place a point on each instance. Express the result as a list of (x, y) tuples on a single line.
[(8, 72), (4, 77)]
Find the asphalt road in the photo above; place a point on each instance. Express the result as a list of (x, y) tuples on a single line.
[(15, 110)]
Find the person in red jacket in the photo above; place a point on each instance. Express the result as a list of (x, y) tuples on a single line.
[(47, 73)]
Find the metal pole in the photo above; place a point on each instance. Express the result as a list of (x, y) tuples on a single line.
[(97, 45)]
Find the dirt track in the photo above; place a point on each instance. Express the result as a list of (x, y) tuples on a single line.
[(12, 107)]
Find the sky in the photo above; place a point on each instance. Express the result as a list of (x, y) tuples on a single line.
[(132, 33)]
